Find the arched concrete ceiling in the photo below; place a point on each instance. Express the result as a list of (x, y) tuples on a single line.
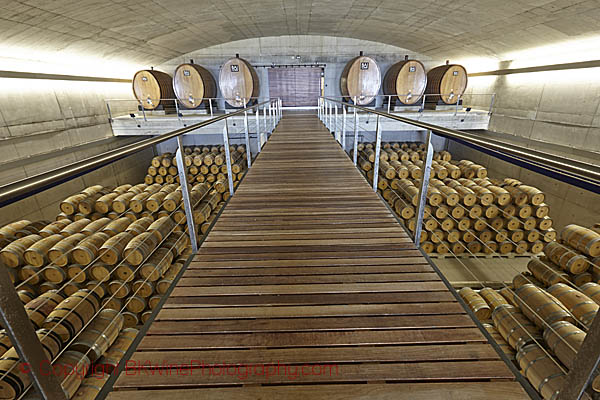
[(154, 31)]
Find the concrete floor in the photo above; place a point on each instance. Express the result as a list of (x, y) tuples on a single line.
[(471, 271)]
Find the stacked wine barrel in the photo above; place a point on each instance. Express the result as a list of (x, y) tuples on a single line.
[(99, 347), (110, 252), (467, 213), (204, 164), (543, 316)]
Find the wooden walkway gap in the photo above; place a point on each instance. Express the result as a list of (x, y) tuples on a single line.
[(308, 286)]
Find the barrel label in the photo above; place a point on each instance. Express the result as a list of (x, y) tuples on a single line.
[(144, 78), (235, 68), (412, 69), (186, 72), (364, 65), (455, 73)]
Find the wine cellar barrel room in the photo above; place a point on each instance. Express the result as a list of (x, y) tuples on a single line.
[(300, 199)]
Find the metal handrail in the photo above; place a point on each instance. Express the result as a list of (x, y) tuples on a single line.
[(23, 188), (574, 172)]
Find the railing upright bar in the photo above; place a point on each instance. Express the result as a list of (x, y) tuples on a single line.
[(336, 131), (389, 104), (247, 134), (355, 154), (258, 132), (211, 107), (344, 127), (143, 111), (265, 120), (228, 157), (422, 197), (377, 154), (185, 194)]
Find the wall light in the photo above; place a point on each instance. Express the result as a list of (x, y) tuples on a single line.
[(30, 59)]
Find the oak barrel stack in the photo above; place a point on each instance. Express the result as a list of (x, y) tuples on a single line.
[(193, 84), (446, 83), (406, 81), (154, 89), (361, 80), (238, 82)]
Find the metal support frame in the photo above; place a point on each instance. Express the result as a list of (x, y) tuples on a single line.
[(377, 154), (23, 337), (247, 134), (426, 173), (585, 365), (343, 127), (228, 157), (355, 155), (185, 193)]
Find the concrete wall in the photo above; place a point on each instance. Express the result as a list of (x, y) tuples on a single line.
[(46, 124), (557, 112)]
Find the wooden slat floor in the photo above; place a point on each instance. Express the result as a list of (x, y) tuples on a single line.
[(307, 286)]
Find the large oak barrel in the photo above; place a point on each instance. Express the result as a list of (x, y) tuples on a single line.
[(541, 307), (99, 335), (543, 373), (238, 81), (72, 314), (111, 358), (406, 80), (514, 326), (449, 81), (152, 88), (361, 79), (192, 84), (564, 340)]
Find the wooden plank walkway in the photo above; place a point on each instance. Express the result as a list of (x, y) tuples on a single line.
[(307, 286)]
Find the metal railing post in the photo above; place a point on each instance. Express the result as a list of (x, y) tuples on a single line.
[(23, 337), (389, 103), (377, 153), (258, 132), (109, 112), (344, 128), (228, 156), (265, 120), (491, 103), (335, 124), (330, 113), (355, 155), (423, 189), (270, 117), (247, 133), (143, 111), (177, 111), (318, 109), (211, 107), (185, 194), (457, 104)]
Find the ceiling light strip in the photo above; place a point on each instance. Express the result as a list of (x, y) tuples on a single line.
[(540, 68)]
